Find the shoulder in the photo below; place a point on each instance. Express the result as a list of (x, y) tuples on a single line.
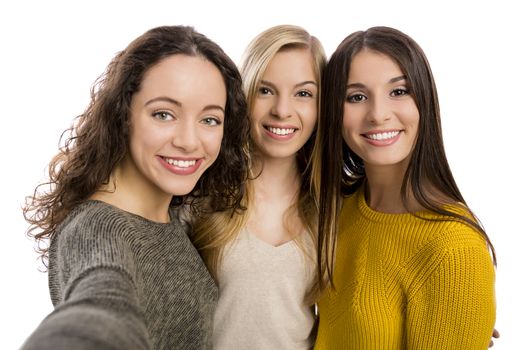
[(449, 233), (92, 237), (449, 245), (94, 213), (92, 228), (96, 218)]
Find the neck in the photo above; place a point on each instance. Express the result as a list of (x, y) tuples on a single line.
[(275, 192), (383, 190), (126, 191), (277, 177)]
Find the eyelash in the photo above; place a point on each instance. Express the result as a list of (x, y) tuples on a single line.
[(264, 91), (400, 92), (268, 91), (305, 93), (358, 97), (209, 121), (353, 98), (159, 114)]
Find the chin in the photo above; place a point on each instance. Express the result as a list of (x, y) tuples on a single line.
[(178, 189)]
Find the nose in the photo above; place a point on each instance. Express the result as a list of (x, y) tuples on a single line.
[(380, 111), (186, 136), (282, 107)]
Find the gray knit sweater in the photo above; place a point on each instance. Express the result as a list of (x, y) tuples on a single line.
[(120, 281)]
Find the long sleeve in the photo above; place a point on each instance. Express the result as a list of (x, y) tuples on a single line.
[(455, 307), (92, 283), (99, 313), (403, 281), (120, 281)]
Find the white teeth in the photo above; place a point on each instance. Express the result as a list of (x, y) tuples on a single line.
[(280, 131), (383, 135), (180, 163)]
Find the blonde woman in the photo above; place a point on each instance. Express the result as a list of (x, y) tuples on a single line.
[(263, 259)]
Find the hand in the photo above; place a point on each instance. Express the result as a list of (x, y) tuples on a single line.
[(495, 335)]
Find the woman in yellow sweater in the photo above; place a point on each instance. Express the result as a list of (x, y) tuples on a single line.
[(405, 263)]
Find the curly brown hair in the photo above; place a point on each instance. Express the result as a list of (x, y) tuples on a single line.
[(99, 138)]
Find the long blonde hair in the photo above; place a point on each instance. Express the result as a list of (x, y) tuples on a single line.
[(212, 233)]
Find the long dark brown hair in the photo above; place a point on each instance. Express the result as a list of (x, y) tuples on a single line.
[(99, 138), (343, 171)]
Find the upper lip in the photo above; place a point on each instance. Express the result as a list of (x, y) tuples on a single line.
[(181, 158)]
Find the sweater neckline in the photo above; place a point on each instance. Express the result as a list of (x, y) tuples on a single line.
[(92, 202), (375, 215), (267, 246)]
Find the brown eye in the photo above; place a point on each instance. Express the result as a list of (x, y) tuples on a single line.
[(356, 98), (304, 93), (399, 92), (264, 91)]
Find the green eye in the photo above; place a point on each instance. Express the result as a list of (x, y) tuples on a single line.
[(211, 121), (162, 115)]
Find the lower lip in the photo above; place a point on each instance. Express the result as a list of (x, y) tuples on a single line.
[(383, 143), (178, 170), (280, 137)]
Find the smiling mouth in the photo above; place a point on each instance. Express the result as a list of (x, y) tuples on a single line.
[(280, 131), (180, 163), (381, 136)]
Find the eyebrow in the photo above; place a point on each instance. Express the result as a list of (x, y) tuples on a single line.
[(302, 83), (391, 81), (163, 99), (177, 103)]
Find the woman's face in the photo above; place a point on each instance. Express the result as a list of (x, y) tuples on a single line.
[(177, 121), (380, 120), (285, 109)]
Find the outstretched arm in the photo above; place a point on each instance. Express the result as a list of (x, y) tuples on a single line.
[(100, 311)]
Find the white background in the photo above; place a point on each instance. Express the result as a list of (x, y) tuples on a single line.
[(51, 52)]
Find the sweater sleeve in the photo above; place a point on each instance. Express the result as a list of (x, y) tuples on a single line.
[(455, 306), (98, 314), (92, 284)]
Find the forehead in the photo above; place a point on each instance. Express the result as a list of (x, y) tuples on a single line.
[(292, 62), (374, 66), (178, 67), (184, 78)]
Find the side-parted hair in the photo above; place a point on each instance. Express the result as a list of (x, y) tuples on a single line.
[(216, 231), (99, 139), (343, 171)]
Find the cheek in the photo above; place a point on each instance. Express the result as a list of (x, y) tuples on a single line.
[(350, 128), (213, 141), (142, 137), (310, 117), (412, 118), (255, 127), (346, 125), (409, 111), (258, 109)]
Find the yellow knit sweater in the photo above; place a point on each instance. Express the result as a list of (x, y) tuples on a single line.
[(407, 283)]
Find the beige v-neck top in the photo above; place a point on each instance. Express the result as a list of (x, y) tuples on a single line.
[(261, 296)]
